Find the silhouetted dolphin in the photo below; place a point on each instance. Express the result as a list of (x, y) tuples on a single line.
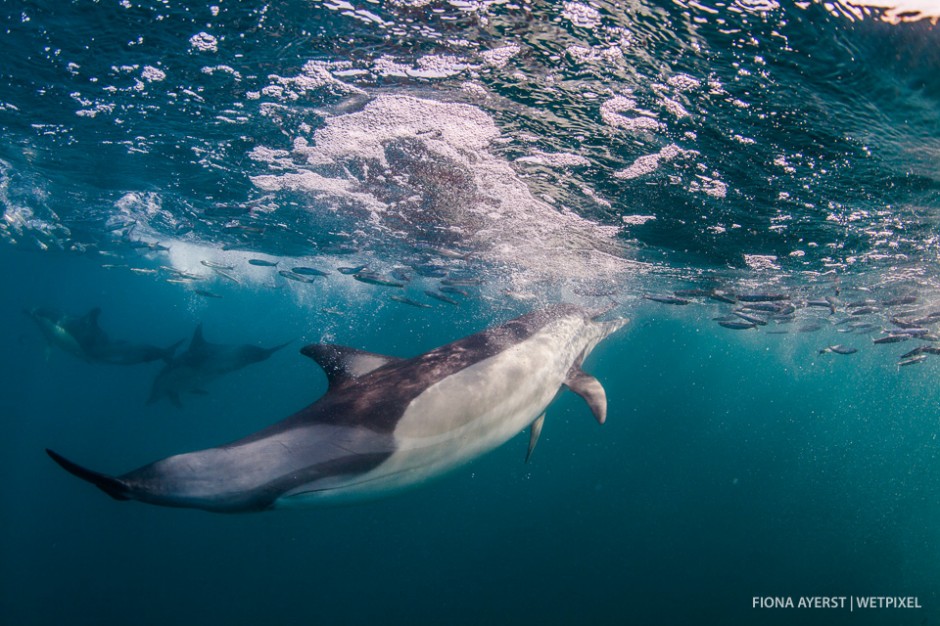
[(385, 423), (82, 337), (200, 364)]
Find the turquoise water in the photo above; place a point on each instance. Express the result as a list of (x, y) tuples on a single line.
[(534, 153)]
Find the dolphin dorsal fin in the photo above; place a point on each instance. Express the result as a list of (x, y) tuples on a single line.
[(197, 341), (92, 316), (590, 389), (341, 363)]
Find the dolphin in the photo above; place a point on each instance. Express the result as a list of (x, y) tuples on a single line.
[(81, 336), (200, 364), (385, 423)]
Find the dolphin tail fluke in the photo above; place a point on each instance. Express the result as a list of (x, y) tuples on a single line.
[(112, 486)]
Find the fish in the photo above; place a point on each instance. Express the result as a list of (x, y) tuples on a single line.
[(410, 302), (862, 327), (82, 337), (721, 296), (385, 423), (767, 307), (374, 278), (735, 325), (462, 282), (891, 339), (201, 364), (904, 323), (226, 274), (181, 274), (919, 358), (457, 291), (351, 270), (667, 299), (827, 303), (297, 277), (911, 332), (205, 293), (909, 299), (753, 319), (309, 271), (262, 263), (400, 274), (761, 297), (430, 270), (217, 266), (922, 349), (838, 349), (439, 296)]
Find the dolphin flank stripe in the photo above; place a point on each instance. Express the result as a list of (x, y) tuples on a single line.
[(385, 423)]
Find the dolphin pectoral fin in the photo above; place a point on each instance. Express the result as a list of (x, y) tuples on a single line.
[(342, 364), (112, 486), (535, 429), (590, 389)]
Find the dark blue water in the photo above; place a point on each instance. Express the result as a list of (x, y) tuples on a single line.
[(536, 153)]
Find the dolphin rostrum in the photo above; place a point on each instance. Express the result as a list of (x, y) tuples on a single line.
[(385, 423), (200, 364), (82, 337)]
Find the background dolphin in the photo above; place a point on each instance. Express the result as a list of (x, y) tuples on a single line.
[(202, 363), (82, 337), (385, 423)]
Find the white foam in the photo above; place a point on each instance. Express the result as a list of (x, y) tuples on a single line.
[(650, 163), (555, 159), (429, 66), (204, 42), (891, 11), (612, 112), (316, 76), (499, 57), (152, 74), (438, 154), (761, 262), (581, 15)]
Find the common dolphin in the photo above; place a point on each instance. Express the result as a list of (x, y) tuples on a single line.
[(202, 363), (385, 423), (81, 336)]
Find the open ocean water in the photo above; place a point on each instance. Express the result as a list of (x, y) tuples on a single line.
[(481, 159)]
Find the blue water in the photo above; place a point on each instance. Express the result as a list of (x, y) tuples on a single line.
[(597, 153)]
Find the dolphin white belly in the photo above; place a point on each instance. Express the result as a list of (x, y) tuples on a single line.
[(473, 411)]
